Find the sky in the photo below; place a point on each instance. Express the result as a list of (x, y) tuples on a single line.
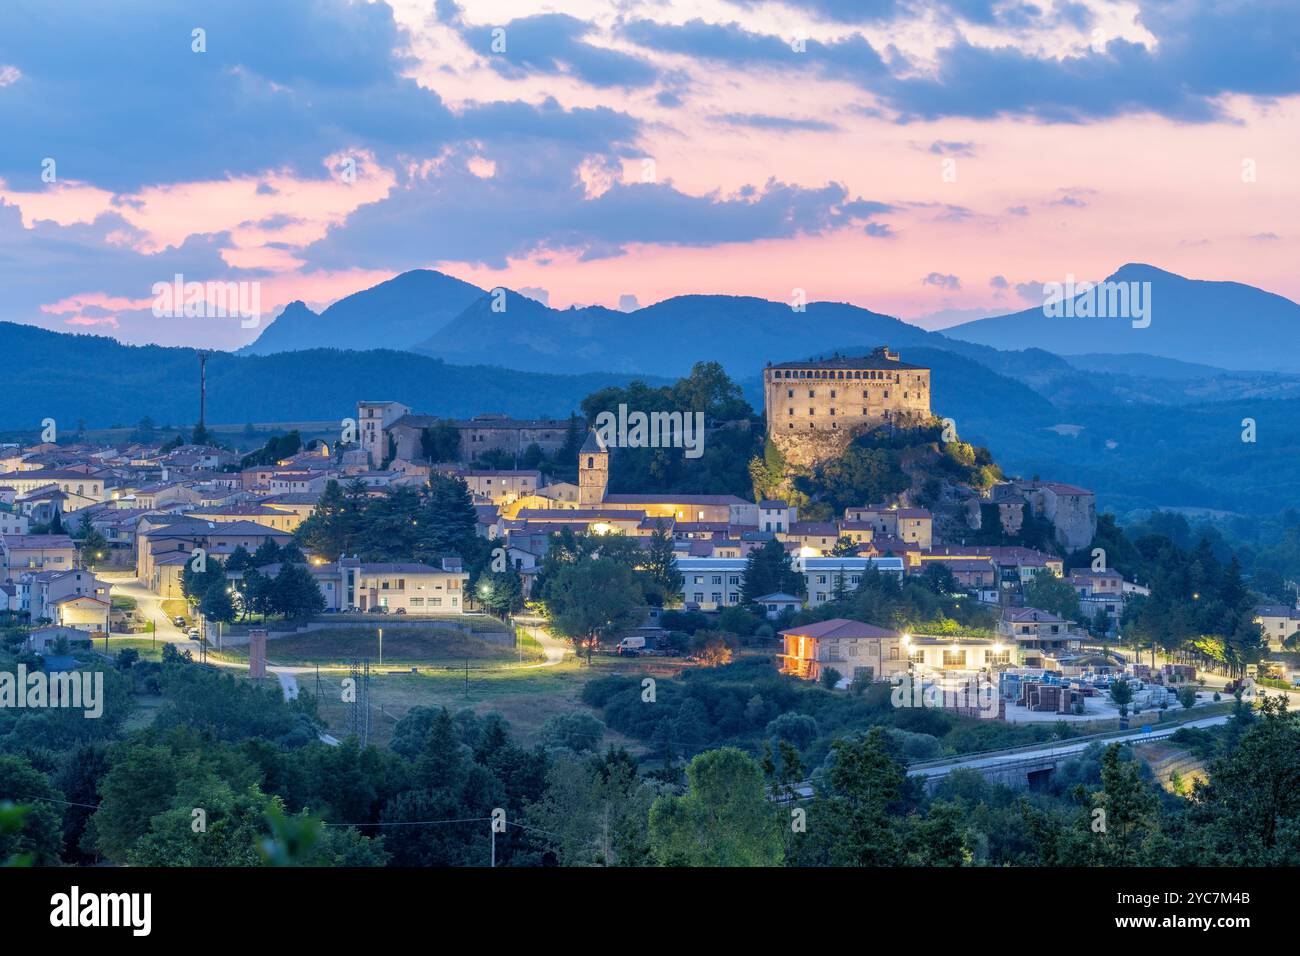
[(938, 160)]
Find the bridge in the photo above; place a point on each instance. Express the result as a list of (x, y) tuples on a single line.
[(1032, 766)]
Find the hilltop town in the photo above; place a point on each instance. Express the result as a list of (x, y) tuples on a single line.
[(146, 511)]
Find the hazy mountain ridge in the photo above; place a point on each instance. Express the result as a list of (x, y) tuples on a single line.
[(1233, 325), (116, 384), (395, 314)]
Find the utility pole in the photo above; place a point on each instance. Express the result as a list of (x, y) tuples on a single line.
[(203, 391), (381, 647)]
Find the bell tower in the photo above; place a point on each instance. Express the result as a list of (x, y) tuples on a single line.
[(593, 472)]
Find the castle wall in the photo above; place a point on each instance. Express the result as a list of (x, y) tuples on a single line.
[(813, 412)]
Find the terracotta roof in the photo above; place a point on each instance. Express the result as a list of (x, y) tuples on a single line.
[(838, 627)]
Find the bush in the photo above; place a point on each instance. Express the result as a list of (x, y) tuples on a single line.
[(574, 730), (736, 620), (798, 729), (688, 621), (916, 746), (831, 677), (597, 693)]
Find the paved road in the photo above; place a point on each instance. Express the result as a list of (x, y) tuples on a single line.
[(554, 648), (150, 607), (1061, 749)]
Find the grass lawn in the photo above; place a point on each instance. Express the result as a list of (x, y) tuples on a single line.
[(525, 696), (431, 646), (174, 608), (149, 651)]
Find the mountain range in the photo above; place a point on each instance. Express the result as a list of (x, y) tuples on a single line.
[(1232, 325), (1211, 326), (1144, 430)]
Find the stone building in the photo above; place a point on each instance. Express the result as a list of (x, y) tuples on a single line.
[(593, 471), (815, 408), (388, 428)]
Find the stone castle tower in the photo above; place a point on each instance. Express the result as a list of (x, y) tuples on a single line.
[(593, 472), (814, 409)]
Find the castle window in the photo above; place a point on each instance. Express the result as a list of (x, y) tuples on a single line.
[(792, 411), (832, 411), (812, 393), (811, 412), (789, 393), (832, 396), (865, 393), (886, 393), (591, 462)]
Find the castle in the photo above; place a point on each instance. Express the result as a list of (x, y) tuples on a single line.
[(815, 408)]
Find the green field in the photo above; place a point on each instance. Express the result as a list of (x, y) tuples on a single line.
[(402, 647)]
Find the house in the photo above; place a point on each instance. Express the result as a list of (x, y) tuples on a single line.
[(35, 552), (13, 523), (74, 598), (406, 587), (825, 578), (710, 584), (503, 487), (776, 515), (1278, 622), (971, 574), (850, 647), (1099, 591), (164, 543), (813, 537), (70, 482), (939, 653), (1040, 635), (912, 525), (42, 640), (778, 603)]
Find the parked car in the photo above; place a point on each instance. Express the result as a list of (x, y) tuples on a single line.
[(378, 609), (179, 620), (400, 610)]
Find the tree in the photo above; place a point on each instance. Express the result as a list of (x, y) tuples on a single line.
[(295, 593), (440, 442), (938, 577), (37, 837), (768, 570), (1247, 812), (660, 566), (1050, 593), (500, 592), (1127, 831), (724, 819), (94, 548), (1121, 693), (592, 599), (864, 783), (594, 812), (217, 604), (1187, 696)]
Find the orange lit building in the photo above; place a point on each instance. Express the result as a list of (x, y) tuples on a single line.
[(850, 647)]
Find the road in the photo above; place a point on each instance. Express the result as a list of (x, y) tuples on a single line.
[(554, 648), (1061, 749), (150, 606)]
